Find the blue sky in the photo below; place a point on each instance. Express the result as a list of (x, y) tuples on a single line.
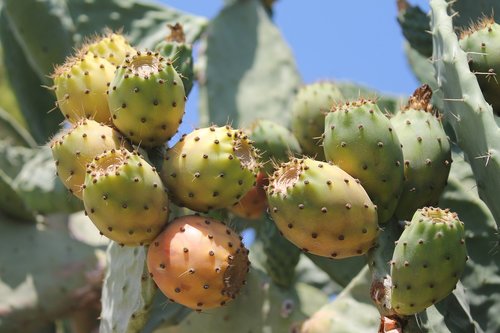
[(357, 40)]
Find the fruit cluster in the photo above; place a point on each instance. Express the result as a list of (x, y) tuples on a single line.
[(359, 169)]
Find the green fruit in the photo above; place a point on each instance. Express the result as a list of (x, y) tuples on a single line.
[(210, 168), (81, 84), (125, 198), (361, 141), (275, 143), (310, 106), (426, 152), (321, 209), (175, 48), (74, 148), (482, 44), (146, 99), (428, 260), (198, 262)]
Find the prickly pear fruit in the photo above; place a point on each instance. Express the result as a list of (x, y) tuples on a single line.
[(361, 141), (426, 152), (309, 108), (113, 47), (80, 85), (482, 44), (254, 202), (198, 262), (146, 99), (210, 168), (322, 209), (125, 198), (428, 260), (274, 142), (175, 48), (74, 148)]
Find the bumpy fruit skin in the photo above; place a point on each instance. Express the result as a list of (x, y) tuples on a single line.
[(254, 203), (275, 143), (361, 141), (80, 85), (482, 44), (113, 47), (428, 260), (146, 99), (73, 149), (426, 152), (210, 168), (198, 262), (175, 48), (125, 198), (322, 209), (309, 108)]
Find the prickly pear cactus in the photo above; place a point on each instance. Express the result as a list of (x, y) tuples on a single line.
[(367, 166), (361, 140), (303, 194), (147, 99), (198, 262), (210, 168), (428, 260)]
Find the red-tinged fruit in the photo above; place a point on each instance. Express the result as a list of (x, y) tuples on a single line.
[(198, 262)]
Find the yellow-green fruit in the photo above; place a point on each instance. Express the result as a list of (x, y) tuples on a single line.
[(125, 198), (310, 105), (112, 46), (428, 260), (81, 84), (322, 209), (74, 148), (210, 168), (147, 99), (198, 262), (360, 139)]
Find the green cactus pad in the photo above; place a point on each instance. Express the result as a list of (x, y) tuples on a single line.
[(113, 47), (426, 151), (482, 44), (210, 168), (125, 198), (321, 209), (147, 99), (74, 148), (428, 260), (81, 84), (274, 142), (309, 108), (361, 141), (175, 48)]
